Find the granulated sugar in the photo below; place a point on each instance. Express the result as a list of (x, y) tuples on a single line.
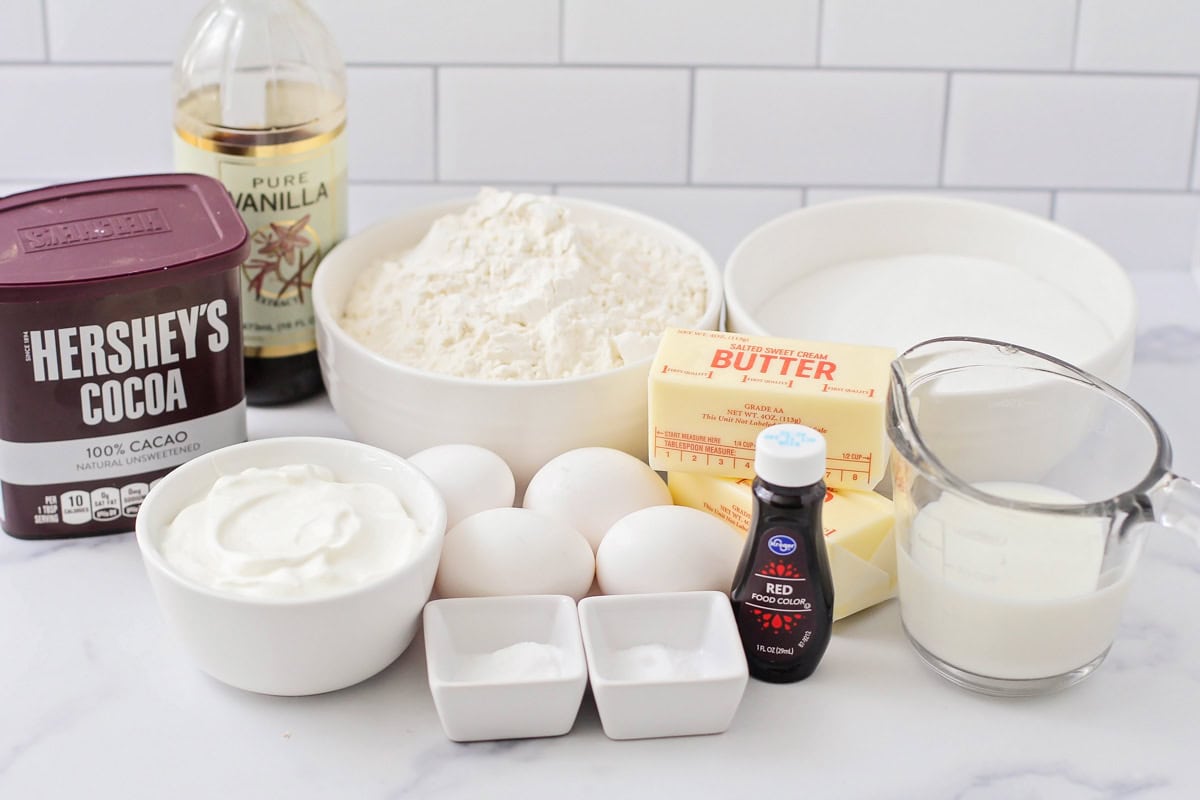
[(902, 300), (514, 289)]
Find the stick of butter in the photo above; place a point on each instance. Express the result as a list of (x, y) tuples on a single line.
[(711, 392), (858, 533)]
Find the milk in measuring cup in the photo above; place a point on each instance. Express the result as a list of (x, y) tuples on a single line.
[(1009, 593)]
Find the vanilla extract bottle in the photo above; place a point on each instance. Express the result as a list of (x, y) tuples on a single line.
[(783, 588), (260, 105)]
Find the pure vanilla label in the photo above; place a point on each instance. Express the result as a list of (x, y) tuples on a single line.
[(294, 205)]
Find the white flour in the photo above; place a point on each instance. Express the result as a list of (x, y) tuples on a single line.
[(514, 289)]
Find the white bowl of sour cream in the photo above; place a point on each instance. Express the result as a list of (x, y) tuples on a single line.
[(293, 566)]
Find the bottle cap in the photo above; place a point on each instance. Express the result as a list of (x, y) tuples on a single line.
[(790, 455)]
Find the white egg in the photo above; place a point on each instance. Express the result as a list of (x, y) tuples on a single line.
[(506, 551), (668, 549), (593, 487), (471, 479)]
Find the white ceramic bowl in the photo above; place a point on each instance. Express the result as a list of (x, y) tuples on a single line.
[(462, 632), (404, 409), (295, 646), (668, 664), (824, 236)]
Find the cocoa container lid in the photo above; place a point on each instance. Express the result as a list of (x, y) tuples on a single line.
[(71, 241)]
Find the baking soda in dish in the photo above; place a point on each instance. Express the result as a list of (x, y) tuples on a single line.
[(513, 288), (523, 661), (900, 301), (655, 662)]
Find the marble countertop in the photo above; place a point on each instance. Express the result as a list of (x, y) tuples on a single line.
[(96, 699)]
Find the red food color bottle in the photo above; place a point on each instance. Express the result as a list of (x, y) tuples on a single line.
[(783, 590)]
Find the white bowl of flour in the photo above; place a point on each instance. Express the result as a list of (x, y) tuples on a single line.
[(896, 270), (522, 324)]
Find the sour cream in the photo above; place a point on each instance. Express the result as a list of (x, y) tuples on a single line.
[(290, 532)]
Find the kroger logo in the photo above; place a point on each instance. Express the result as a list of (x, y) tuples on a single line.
[(781, 545), (790, 436)]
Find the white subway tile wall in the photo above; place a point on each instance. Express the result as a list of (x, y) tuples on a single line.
[(443, 31), (713, 115), (774, 32), (560, 125), (65, 123), (727, 215), (124, 32), (1141, 231), (817, 126), (22, 36), (1070, 131), (977, 34), (1030, 202), (392, 134), (1141, 36), (373, 202)]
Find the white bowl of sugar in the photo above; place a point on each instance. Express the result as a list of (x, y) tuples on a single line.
[(895, 270)]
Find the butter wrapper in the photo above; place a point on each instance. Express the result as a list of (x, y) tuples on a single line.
[(858, 533), (710, 393)]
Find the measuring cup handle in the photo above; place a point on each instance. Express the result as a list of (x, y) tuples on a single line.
[(1177, 505)]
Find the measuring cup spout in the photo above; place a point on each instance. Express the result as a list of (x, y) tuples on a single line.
[(1176, 502)]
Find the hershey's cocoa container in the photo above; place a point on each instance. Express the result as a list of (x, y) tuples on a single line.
[(120, 345)]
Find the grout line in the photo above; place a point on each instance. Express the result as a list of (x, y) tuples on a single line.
[(85, 64), (1053, 203), (1195, 143), (885, 70), (562, 25), (797, 186), (717, 185), (820, 32), (691, 124), (1073, 63), (945, 130), (804, 188), (437, 127), (898, 70), (803, 197), (45, 32)]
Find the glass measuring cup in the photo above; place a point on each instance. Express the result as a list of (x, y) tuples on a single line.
[(1022, 486)]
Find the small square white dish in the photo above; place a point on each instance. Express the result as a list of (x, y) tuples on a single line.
[(667, 664), (505, 667)]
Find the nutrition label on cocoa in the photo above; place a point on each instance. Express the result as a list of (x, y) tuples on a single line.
[(63, 509), (107, 503)]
